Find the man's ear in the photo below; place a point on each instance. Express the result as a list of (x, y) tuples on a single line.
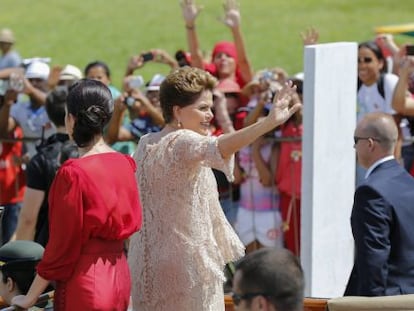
[(371, 143), (10, 284), (176, 112)]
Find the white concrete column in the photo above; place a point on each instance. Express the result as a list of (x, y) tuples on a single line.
[(328, 168)]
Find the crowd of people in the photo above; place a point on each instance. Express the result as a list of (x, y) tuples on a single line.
[(215, 151)]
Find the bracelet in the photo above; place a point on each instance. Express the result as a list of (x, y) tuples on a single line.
[(190, 27)]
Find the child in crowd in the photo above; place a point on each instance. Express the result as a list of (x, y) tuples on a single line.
[(99, 70), (259, 222), (287, 175)]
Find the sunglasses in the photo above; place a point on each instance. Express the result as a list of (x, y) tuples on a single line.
[(358, 138), (238, 298), (365, 60)]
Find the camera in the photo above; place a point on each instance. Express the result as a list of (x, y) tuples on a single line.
[(409, 49), (129, 101), (15, 82), (4, 86), (181, 58), (146, 57)]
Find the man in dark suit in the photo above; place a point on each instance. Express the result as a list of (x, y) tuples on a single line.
[(383, 214)]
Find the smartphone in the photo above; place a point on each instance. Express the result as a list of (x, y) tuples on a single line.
[(136, 82), (409, 49), (4, 86), (16, 82), (147, 56)]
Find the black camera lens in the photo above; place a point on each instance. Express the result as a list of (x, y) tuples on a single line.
[(129, 101)]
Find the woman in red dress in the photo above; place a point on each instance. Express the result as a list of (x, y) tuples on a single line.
[(94, 207)]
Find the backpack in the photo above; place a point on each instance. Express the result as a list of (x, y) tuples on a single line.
[(49, 154)]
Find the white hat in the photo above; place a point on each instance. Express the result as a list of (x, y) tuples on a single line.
[(70, 72), (6, 35), (37, 70), (154, 84), (299, 76)]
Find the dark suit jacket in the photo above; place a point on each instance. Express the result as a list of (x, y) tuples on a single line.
[(383, 228)]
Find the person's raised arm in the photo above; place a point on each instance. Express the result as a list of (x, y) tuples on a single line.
[(262, 166), (33, 92), (153, 112), (190, 12), (135, 62), (162, 57), (7, 123), (232, 20), (115, 131), (386, 41), (6, 73), (280, 112), (402, 101), (257, 111), (221, 113), (54, 77)]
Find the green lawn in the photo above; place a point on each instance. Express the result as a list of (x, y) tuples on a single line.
[(79, 31)]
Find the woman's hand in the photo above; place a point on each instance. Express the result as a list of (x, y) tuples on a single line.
[(310, 36), (190, 11), (162, 56), (232, 14), (10, 97), (22, 301), (135, 62), (281, 110), (54, 76), (407, 66), (119, 103)]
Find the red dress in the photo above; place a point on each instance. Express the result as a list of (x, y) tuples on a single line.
[(93, 207)]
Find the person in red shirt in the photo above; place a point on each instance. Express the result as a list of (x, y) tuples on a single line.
[(229, 59), (93, 208), (12, 179)]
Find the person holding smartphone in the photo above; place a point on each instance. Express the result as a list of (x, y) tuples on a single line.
[(153, 55), (144, 116), (375, 89)]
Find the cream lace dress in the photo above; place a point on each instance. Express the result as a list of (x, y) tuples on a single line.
[(178, 257)]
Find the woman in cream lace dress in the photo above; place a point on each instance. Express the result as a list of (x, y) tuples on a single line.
[(177, 259)]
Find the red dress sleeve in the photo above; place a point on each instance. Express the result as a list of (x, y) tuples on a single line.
[(65, 226)]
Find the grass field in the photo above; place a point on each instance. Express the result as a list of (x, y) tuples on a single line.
[(80, 31)]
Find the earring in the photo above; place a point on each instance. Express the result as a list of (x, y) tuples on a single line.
[(179, 124)]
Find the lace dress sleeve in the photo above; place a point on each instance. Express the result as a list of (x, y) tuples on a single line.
[(192, 148)]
